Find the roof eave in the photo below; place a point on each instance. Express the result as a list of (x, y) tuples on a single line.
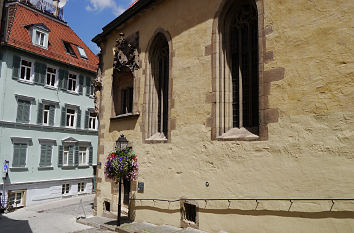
[(126, 15)]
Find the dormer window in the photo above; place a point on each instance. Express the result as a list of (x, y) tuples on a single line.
[(40, 34), (82, 52), (69, 49)]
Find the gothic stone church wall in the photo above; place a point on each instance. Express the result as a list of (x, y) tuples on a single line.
[(307, 146)]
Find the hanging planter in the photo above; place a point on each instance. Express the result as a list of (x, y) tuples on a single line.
[(121, 164)]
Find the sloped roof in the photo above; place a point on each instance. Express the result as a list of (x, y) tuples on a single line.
[(22, 17)]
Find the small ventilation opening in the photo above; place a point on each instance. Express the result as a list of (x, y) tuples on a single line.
[(191, 212), (107, 206)]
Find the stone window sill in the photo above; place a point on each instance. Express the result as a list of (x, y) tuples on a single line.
[(157, 138), (238, 134), (68, 167), (46, 168), (126, 116), (18, 169), (83, 166)]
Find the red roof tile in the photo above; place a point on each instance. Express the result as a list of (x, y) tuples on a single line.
[(20, 37)]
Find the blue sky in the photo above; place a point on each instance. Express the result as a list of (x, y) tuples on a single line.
[(88, 17)]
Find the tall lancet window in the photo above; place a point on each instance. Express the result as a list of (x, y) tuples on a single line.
[(158, 89), (238, 80)]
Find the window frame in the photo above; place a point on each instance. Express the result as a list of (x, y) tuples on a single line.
[(51, 154), (82, 53), (29, 111), (65, 189), (68, 154), (15, 192), (76, 82), (81, 186), (69, 50), (74, 118), (45, 34), (31, 78), (81, 156), (13, 153), (56, 78), (92, 119)]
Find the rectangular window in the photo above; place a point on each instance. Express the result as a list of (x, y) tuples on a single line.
[(66, 155), (46, 155), (65, 189), (92, 90), (83, 155), (16, 198), (70, 117), (40, 38), (26, 70), (72, 82), (92, 121), (23, 111), (82, 52), (46, 112), (51, 77), (81, 187), (20, 154), (68, 48), (127, 100)]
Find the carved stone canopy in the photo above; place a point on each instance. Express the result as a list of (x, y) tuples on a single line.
[(126, 55)]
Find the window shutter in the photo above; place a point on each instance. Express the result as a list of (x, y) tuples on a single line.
[(76, 155), (63, 117), (63, 79), (87, 118), (78, 125), (23, 155), (51, 114), (43, 72), (19, 111), (49, 155), (42, 161), (81, 84), (1, 57), (37, 70), (40, 113), (26, 111), (16, 67), (60, 156), (90, 155), (71, 155), (15, 160), (88, 86)]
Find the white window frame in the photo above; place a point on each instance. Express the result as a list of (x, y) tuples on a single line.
[(51, 74), (73, 118), (31, 70), (67, 154), (20, 140), (82, 156), (45, 39), (44, 113), (81, 186), (91, 120), (76, 82), (66, 187), (16, 192), (82, 52)]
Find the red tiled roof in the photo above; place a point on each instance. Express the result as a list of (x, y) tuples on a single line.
[(20, 37)]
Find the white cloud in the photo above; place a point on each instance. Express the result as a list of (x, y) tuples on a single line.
[(99, 5)]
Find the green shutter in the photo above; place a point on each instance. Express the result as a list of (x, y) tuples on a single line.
[(88, 85), (42, 161), (23, 155), (49, 155), (78, 122), (16, 67), (60, 155), (26, 111), (81, 84), (16, 155), (76, 155), (19, 111), (63, 117), (37, 69), (40, 113), (43, 73), (87, 118), (71, 155), (63, 79), (51, 114), (90, 155)]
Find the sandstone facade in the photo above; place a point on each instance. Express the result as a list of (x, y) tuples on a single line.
[(306, 144)]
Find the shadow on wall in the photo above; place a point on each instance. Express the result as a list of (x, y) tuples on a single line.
[(9, 225), (290, 214), (121, 125)]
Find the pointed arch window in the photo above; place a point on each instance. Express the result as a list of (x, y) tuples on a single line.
[(158, 89), (238, 79)]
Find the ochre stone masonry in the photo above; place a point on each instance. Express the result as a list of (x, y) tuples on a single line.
[(306, 143)]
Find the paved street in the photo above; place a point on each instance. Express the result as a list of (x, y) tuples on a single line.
[(53, 217)]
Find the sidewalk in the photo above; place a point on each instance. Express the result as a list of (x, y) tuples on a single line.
[(109, 225)]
